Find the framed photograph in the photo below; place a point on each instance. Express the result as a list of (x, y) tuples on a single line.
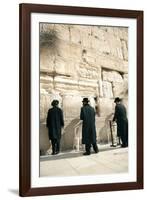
[(81, 100)]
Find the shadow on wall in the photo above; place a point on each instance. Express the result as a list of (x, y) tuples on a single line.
[(44, 142), (68, 135), (104, 132)]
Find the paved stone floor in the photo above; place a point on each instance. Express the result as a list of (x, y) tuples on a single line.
[(109, 160)]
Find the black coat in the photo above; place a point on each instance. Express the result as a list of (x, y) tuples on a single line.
[(120, 116), (55, 122), (88, 128)]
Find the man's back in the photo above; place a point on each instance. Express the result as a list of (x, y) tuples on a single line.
[(55, 117), (87, 114), (120, 112)]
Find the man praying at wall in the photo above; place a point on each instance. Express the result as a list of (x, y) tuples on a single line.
[(55, 123), (120, 116), (88, 128)]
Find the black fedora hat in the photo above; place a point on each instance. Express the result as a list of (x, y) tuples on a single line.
[(55, 103), (85, 100), (117, 99)]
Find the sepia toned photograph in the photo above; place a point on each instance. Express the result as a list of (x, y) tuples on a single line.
[(83, 100)]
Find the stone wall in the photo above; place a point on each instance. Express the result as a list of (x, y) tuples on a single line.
[(82, 61)]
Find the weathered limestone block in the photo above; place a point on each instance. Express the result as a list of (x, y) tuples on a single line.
[(85, 33), (89, 59), (71, 109), (46, 60), (100, 88), (67, 51), (120, 89), (88, 73), (64, 84), (124, 49), (46, 83), (44, 27), (98, 33), (100, 45), (125, 77), (121, 32), (72, 105), (119, 52), (60, 66), (103, 130), (106, 106), (75, 52), (107, 89), (109, 62), (88, 87), (45, 103), (64, 49), (75, 36), (72, 68), (112, 76), (47, 87), (67, 139), (115, 46), (44, 142), (63, 32)]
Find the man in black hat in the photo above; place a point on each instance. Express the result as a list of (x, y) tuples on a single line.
[(54, 123), (120, 116), (88, 128)]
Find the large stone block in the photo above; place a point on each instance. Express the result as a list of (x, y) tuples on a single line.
[(106, 106), (44, 143), (109, 62), (45, 103), (124, 49), (75, 36), (85, 32), (88, 73), (107, 89), (63, 32), (100, 45), (46, 60), (112, 76), (120, 89), (72, 109), (103, 129), (98, 33)]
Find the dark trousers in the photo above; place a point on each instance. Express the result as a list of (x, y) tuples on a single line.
[(88, 147), (124, 139), (55, 145)]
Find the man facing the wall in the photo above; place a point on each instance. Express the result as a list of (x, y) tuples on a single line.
[(54, 123), (88, 128), (120, 116)]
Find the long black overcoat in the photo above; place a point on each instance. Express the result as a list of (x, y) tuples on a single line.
[(88, 128), (54, 122), (120, 116)]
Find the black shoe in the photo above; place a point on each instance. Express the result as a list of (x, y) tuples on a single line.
[(96, 151), (123, 146), (57, 152), (86, 153), (53, 153)]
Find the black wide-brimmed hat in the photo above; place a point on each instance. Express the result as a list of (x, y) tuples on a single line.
[(55, 102), (85, 100), (117, 99)]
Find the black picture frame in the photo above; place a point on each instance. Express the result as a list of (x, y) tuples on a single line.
[(25, 99)]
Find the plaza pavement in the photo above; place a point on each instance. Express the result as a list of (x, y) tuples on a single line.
[(109, 160)]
